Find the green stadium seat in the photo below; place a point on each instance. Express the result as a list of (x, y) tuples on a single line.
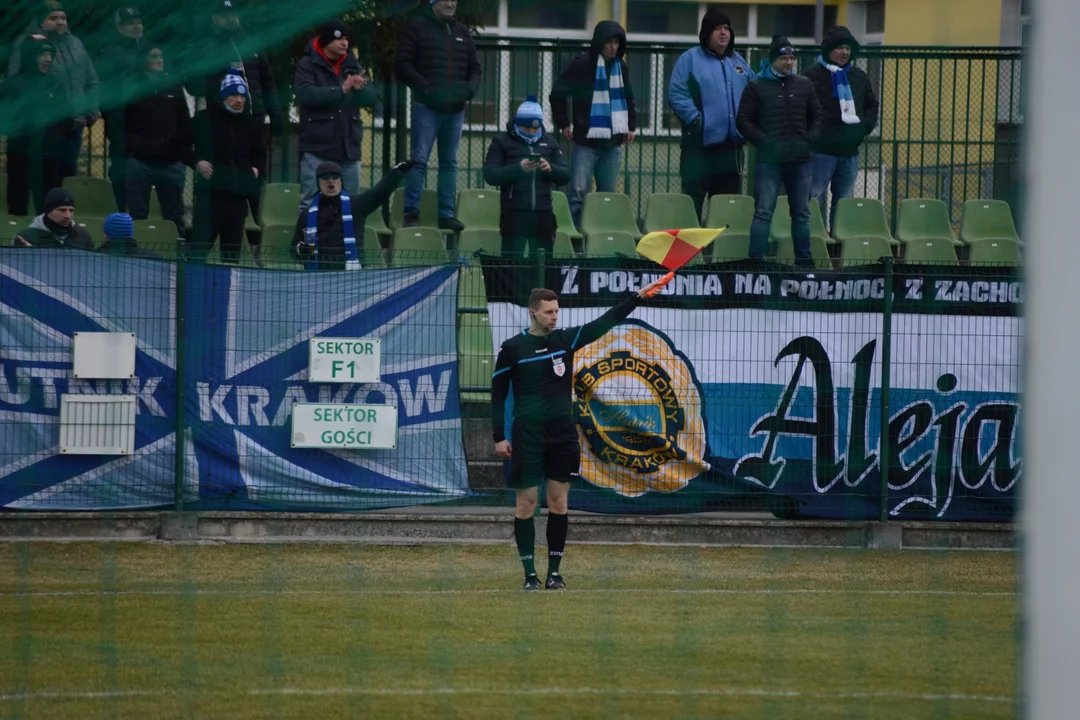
[(418, 246), (608, 213), (819, 252), (472, 294), (376, 222), (11, 225), (730, 247), (250, 225), (94, 226), (277, 243), (995, 252), (861, 217), (987, 220), (476, 357), (280, 204), (472, 241), (735, 211), (780, 228), (930, 251), (479, 209), (429, 210), (563, 219), (564, 246), (93, 196), (373, 256), (863, 250), (670, 211), (922, 219), (159, 236), (611, 244)]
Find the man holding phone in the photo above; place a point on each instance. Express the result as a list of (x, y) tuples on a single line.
[(525, 164)]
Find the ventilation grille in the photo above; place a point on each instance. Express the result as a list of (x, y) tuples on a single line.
[(97, 424)]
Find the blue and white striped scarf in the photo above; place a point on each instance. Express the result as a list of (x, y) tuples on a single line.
[(311, 233), (841, 90), (609, 115)]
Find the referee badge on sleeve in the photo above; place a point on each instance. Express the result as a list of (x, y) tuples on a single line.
[(558, 366)]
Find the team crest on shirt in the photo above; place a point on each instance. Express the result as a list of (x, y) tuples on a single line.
[(558, 366), (639, 413)]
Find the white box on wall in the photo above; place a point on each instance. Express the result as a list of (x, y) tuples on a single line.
[(104, 356), (97, 424)]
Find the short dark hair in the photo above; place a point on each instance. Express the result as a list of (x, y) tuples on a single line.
[(538, 295)]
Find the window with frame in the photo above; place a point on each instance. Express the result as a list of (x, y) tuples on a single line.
[(875, 17), (547, 14), (791, 20), (655, 17)]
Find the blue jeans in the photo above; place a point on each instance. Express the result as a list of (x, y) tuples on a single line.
[(428, 127), (586, 162), (309, 184), (840, 173), (139, 177), (795, 177)]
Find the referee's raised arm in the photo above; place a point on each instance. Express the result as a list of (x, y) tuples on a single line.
[(594, 330)]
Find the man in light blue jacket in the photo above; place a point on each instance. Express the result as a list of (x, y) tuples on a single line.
[(705, 88)]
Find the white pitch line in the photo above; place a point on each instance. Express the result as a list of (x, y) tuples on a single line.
[(514, 591), (525, 692)]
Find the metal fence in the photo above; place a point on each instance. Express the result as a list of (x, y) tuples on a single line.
[(950, 125)]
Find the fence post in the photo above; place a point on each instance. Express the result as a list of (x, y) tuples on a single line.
[(895, 190), (541, 263), (886, 362), (181, 347)]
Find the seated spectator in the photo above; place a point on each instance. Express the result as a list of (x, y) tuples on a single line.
[(120, 58), (158, 142), (526, 164), (56, 227), (119, 232), (326, 236), (34, 153), (229, 150)]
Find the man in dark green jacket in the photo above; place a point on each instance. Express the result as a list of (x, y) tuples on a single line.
[(56, 227), (781, 116)]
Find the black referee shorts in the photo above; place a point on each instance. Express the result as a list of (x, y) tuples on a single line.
[(543, 452)]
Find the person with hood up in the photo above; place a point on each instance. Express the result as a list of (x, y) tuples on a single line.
[(850, 109), (229, 150), (55, 227), (526, 163), (35, 145), (331, 87), (119, 232), (706, 85), (602, 116), (75, 70), (780, 115), (436, 59), (325, 237)]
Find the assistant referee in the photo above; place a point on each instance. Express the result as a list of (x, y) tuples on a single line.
[(538, 364)]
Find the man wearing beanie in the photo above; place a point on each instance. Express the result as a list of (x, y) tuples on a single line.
[(119, 231), (780, 115), (436, 59), (229, 150), (326, 235), (706, 86), (525, 164), (331, 87), (850, 109), (56, 227)]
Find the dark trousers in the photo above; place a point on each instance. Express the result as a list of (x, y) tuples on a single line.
[(795, 177), (218, 215), (526, 230), (710, 171), (140, 177), (28, 177)]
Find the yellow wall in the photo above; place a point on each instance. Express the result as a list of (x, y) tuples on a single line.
[(943, 22)]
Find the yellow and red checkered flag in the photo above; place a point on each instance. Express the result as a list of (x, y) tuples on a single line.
[(674, 248)]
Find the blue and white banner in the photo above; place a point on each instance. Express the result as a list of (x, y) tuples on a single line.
[(245, 365)]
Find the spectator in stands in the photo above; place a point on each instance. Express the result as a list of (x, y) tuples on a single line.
[(326, 235), (158, 139), (780, 115), (602, 116), (331, 87), (37, 140), (706, 85), (225, 38), (229, 150), (436, 59), (117, 61), (850, 109), (119, 232), (525, 164), (56, 227), (73, 67)]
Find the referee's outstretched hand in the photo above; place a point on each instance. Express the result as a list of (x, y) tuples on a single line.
[(655, 286), (503, 449)]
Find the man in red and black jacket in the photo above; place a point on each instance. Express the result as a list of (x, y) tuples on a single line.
[(436, 59)]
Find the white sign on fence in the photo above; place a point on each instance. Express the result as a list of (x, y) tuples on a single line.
[(347, 427), (344, 360)]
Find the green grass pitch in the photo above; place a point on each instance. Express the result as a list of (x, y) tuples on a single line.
[(317, 631)]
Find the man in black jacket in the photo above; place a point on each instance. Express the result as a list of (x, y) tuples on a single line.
[(598, 132), (331, 87), (330, 232), (780, 115), (158, 142), (850, 109), (525, 164), (436, 59)]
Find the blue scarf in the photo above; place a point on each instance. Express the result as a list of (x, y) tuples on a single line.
[(311, 233), (767, 73), (609, 115), (841, 90)]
